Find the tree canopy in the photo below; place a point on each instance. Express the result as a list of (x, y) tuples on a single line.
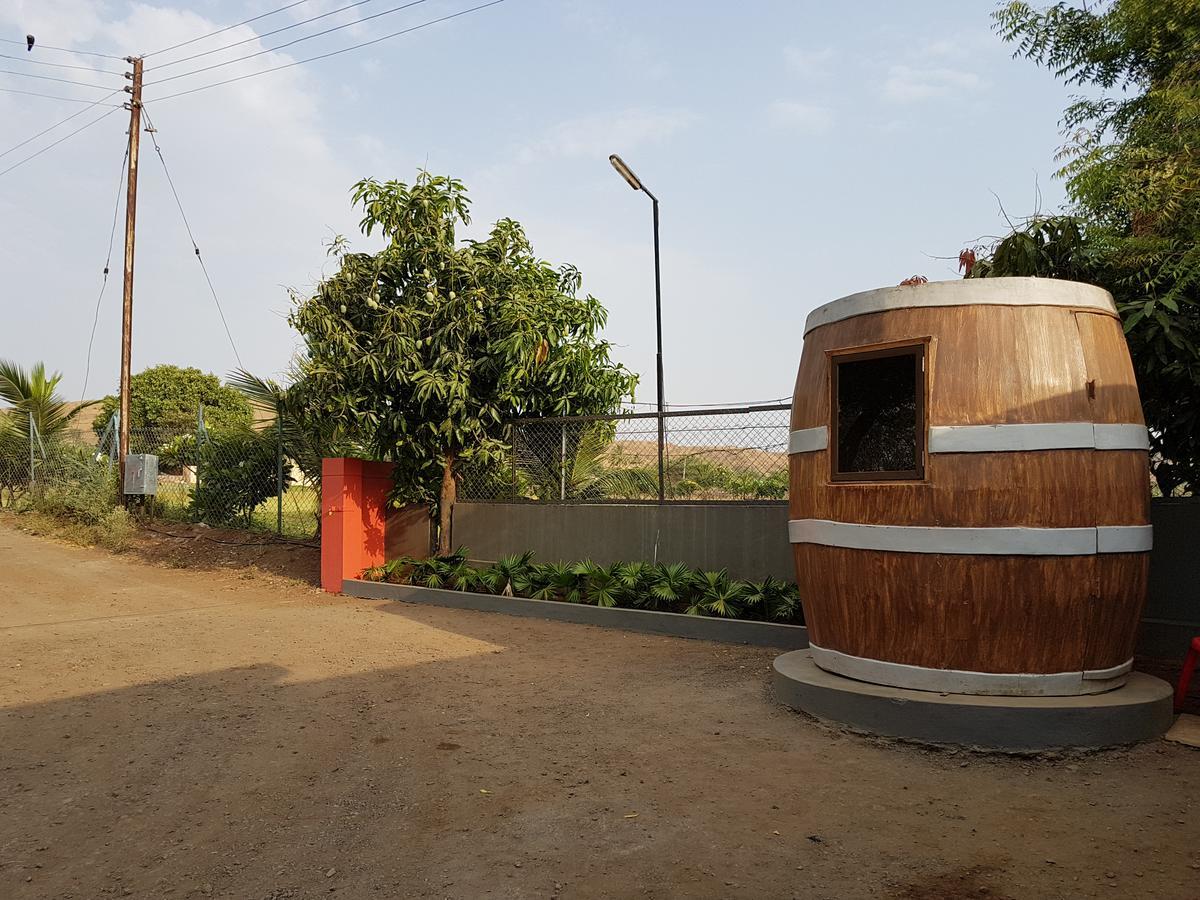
[(422, 351), (168, 397), (1131, 163)]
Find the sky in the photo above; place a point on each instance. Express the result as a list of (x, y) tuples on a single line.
[(800, 150)]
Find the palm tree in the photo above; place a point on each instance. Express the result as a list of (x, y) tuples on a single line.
[(33, 394)]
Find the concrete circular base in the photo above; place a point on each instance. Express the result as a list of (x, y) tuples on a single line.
[(1138, 711)]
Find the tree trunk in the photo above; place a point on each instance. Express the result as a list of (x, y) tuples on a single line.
[(446, 505)]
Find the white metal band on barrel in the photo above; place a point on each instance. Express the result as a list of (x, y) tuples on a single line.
[(806, 440), (977, 292), (959, 681), (1006, 438), (982, 541), (1036, 436)]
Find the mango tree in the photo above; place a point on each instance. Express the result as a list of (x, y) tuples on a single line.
[(421, 352)]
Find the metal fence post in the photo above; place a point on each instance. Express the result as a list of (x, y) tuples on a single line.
[(662, 431), (516, 430), (31, 438), (562, 464), (278, 468), (199, 438)]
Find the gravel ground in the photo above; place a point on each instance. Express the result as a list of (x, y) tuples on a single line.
[(177, 723)]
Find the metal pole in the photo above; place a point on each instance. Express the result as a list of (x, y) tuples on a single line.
[(659, 359), (278, 468), (31, 435), (513, 444), (135, 129), (199, 438), (562, 465)]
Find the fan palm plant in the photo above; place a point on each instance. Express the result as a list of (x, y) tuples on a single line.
[(771, 599), (33, 394), (716, 595), (601, 584), (509, 574), (671, 586)]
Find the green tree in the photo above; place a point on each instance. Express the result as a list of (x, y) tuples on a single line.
[(1132, 174), (423, 350), (168, 397), (239, 473)]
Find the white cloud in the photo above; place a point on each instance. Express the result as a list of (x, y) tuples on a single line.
[(907, 84), (809, 63), (597, 133), (260, 183), (809, 118)]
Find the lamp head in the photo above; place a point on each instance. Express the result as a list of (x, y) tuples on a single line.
[(625, 171)]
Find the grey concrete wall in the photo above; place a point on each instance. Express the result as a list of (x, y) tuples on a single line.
[(750, 540), (704, 628)]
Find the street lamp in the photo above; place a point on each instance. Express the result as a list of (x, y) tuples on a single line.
[(636, 183)]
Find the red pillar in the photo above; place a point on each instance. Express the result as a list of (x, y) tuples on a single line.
[(353, 513)]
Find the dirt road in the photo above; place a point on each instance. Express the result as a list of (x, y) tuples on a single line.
[(178, 733)]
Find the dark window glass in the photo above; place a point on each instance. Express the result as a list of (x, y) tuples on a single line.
[(879, 419)]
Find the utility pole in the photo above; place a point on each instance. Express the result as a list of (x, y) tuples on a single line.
[(135, 130)]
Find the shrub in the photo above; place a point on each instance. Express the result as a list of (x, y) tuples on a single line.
[(115, 531), (237, 472), (73, 484), (169, 397), (667, 588)]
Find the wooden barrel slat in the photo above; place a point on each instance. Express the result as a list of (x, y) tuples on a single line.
[(1054, 369)]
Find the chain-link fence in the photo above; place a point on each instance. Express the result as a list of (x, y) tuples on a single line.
[(734, 454), (238, 477)]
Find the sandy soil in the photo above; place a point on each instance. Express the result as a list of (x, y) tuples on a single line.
[(168, 731)]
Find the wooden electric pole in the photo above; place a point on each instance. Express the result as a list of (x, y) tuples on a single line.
[(135, 129)]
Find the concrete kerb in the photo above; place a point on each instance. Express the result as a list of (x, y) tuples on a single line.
[(1139, 711), (704, 628)]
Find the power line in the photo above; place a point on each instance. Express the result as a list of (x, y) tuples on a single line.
[(104, 281), (60, 140), (38, 62), (57, 97), (65, 49), (223, 30), (200, 259), (307, 37), (331, 53), (52, 78), (60, 122), (267, 34)]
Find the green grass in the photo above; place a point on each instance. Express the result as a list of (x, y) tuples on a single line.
[(301, 504)]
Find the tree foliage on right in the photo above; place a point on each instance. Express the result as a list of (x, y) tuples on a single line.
[(1131, 163)]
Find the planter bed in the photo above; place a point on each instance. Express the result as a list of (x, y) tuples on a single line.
[(705, 628)]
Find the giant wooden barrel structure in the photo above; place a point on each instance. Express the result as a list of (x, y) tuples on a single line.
[(969, 494)]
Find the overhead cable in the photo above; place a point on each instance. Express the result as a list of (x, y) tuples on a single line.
[(309, 59), (112, 233), (64, 49), (187, 225), (60, 122), (307, 37), (57, 97), (38, 62), (266, 34), (223, 30), (60, 140)]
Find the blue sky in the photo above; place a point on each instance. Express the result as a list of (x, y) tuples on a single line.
[(801, 151)]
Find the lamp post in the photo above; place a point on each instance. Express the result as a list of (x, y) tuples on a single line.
[(635, 183)]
